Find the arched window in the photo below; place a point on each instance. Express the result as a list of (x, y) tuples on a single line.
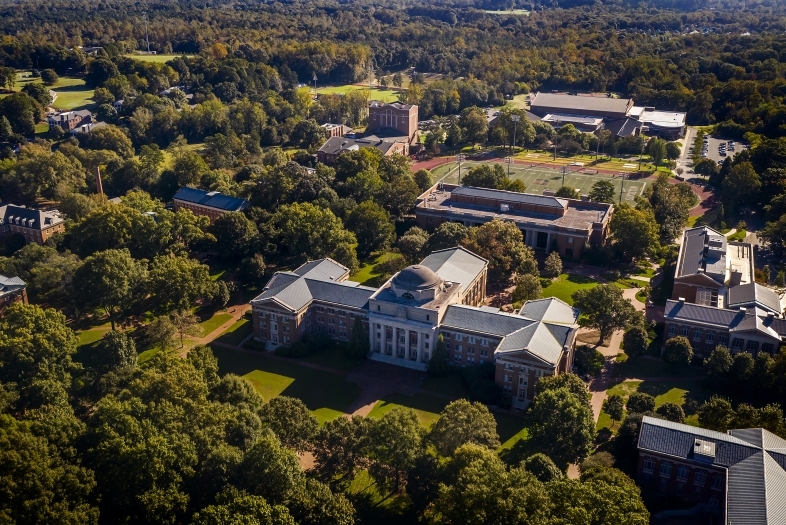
[(407, 295)]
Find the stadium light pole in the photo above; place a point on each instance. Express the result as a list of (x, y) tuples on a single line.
[(564, 169), (147, 37), (509, 160), (459, 158), (622, 187), (641, 155), (515, 119)]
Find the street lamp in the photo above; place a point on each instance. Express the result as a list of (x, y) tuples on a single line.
[(459, 158), (515, 119), (622, 187), (509, 160), (564, 169)]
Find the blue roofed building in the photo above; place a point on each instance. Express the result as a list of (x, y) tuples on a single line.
[(211, 204)]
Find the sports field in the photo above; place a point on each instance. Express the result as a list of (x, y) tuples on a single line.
[(153, 58), (541, 178), (510, 12), (385, 95)]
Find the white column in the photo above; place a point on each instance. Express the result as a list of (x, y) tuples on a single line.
[(548, 242), (420, 346)]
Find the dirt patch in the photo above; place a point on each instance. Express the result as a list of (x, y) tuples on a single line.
[(591, 338)]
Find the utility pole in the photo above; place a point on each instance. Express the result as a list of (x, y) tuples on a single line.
[(515, 119), (459, 158), (147, 36)]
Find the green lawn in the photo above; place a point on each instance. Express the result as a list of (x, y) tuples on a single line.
[(511, 12), (738, 236), (385, 95), (90, 336), (333, 357), (566, 284), (425, 406), (154, 58), (643, 368), (214, 322), (676, 391), (326, 394), (72, 93), (449, 385), (235, 334), (370, 272)]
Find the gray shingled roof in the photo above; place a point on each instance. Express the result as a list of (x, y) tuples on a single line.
[(511, 196), (698, 256), (314, 280), (578, 103), (754, 294), (733, 320), (756, 492), (482, 321), (10, 285), (538, 339), (457, 265), (21, 215), (336, 145), (212, 199), (551, 310)]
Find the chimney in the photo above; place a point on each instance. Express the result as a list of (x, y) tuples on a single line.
[(682, 299), (99, 186)]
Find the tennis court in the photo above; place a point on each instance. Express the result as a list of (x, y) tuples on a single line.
[(539, 178)]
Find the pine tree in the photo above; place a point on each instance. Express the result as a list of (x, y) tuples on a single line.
[(439, 364), (358, 346)]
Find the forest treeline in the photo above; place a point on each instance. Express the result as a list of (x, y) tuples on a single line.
[(700, 61)]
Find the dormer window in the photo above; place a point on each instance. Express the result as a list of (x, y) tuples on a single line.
[(407, 295)]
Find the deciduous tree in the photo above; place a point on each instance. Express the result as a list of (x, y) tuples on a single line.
[(603, 308), (462, 422), (562, 425), (678, 351)]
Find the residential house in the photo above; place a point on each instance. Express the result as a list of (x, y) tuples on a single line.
[(68, 120)]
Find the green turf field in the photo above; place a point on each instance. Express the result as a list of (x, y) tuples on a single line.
[(541, 178), (153, 58), (385, 95)]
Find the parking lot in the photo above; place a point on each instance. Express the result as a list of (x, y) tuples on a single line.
[(713, 144)]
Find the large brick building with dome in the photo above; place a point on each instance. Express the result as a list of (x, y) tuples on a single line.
[(442, 295)]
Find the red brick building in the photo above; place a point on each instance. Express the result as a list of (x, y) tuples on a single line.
[(34, 225), (443, 295), (396, 116), (545, 221), (736, 477), (211, 204), (68, 120)]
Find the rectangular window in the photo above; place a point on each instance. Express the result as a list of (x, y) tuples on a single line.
[(717, 482), (319, 319), (682, 473), (331, 311), (428, 317), (685, 332), (649, 465), (697, 334), (736, 344), (425, 345), (332, 331), (331, 321), (523, 393), (507, 378), (484, 342), (665, 469), (752, 346), (458, 337), (713, 502), (447, 346), (767, 347), (471, 340), (320, 309), (471, 360), (484, 353), (457, 358), (710, 337), (342, 322), (286, 338), (699, 478), (672, 330), (723, 339), (471, 350), (342, 313)]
